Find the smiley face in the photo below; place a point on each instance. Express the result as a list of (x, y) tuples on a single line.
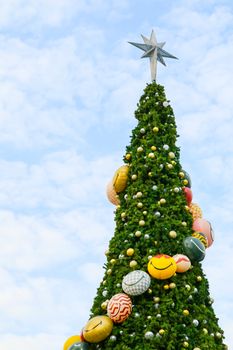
[(97, 329), (162, 266)]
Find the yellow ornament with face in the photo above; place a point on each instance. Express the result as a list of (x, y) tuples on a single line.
[(97, 329), (162, 266), (71, 341), (120, 178)]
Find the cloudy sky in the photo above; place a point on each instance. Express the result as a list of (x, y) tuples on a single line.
[(69, 86)]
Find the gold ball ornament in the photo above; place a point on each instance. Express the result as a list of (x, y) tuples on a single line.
[(169, 166), (186, 312), (172, 234), (166, 287), (199, 278), (155, 129), (142, 223), (196, 211), (113, 261), (134, 177), (104, 305), (120, 178), (156, 299), (185, 344), (181, 175), (185, 182), (130, 252), (140, 205), (162, 201), (205, 331), (161, 331), (149, 291), (111, 194), (139, 194), (109, 271), (133, 263), (97, 329), (138, 233), (151, 155), (153, 148), (172, 285), (71, 341), (171, 155), (106, 252), (128, 156), (123, 215)]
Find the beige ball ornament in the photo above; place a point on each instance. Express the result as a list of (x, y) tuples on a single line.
[(111, 194), (120, 178), (182, 262), (97, 329)]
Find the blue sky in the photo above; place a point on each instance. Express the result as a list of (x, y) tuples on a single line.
[(69, 86)]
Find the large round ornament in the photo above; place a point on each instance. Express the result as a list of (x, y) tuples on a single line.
[(119, 307), (204, 226), (182, 262), (70, 341), (120, 178), (201, 236), (136, 282), (188, 194), (97, 329), (162, 266), (195, 210), (80, 346), (194, 249), (111, 194)]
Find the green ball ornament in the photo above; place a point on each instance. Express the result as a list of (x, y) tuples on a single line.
[(80, 346), (194, 248)]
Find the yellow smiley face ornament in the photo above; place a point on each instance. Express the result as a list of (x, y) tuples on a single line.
[(162, 266), (97, 329)]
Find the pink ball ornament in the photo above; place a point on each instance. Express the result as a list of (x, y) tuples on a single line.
[(188, 194), (182, 262), (205, 227), (119, 307)]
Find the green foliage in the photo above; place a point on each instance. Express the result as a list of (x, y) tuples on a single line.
[(158, 177)]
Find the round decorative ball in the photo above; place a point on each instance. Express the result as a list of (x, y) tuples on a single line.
[(204, 226), (133, 263), (162, 201), (141, 223), (128, 156), (201, 236), (97, 329), (140, 149), (134, 177), (155, 129), (196, 323), (194, 249), (165, 104), (120, 178), (182, 262), (166, 147), (80, 346), (153, 148), (187, 177), (130, 252), (138, 233), (185, 312), (119, 307), (162, 266), (111, 194), (71, 340), (113, 338), (149, 335), (196, 211), (151, 155), (142, 131), (173, 234), (171, 155), (188, 194), (136, 282)]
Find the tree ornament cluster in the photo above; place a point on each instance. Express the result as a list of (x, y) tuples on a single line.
[(154, 288)]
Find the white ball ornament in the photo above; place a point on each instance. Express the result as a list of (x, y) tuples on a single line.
[(136, 282), (113, 338), (176, 189), (149, 335), (140, 149), (133, 263), (171, 155), (166, 147), (146, 236), (154, 188), (105, 293), (142, 131), (196, 323), (165, 104), (157, 214)]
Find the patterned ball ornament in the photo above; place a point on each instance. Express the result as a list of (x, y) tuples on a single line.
[(80, 346), (194, 249), (97, 329), (136, 282), (182, 262), (162, 266), (111, 194), (119, 307), (196, 211), (201, 236), (204, 226), (120, 178)]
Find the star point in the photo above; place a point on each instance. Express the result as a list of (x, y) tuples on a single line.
[(154, 51)]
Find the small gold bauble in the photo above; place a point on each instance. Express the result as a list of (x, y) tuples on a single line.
[(130, 252), (150, 174), (134, 177), (151, 155), (123, 215), (109, 271), (185, 182), (139, 205), (141, 223), (153, 148), (104, 283), (139, 194), (205, 331), (199, 278), (173, 162), (162, 201), (144, 212), (149, 291), (181, 174), (106, 252), (187, 207), (133, 263), (138, 233), (161, 331), (172, 285), (173, 234), (166, 286), (171, 155), (118, 206), (169, 166), (140, 149), (113, 261), (156, 299), (104, 305), (184, 223), (185, 312), (128, 156), (185, 344), (155, 129)]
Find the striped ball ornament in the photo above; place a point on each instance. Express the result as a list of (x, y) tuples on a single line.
[(119, 307), (201, 236), (194, 249)]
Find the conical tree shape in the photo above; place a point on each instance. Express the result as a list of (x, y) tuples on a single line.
[(153, 219)]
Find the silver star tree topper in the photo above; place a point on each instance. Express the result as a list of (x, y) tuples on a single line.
[(154, 51)]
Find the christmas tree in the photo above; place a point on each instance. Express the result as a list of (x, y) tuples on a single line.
[(154, 294)]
